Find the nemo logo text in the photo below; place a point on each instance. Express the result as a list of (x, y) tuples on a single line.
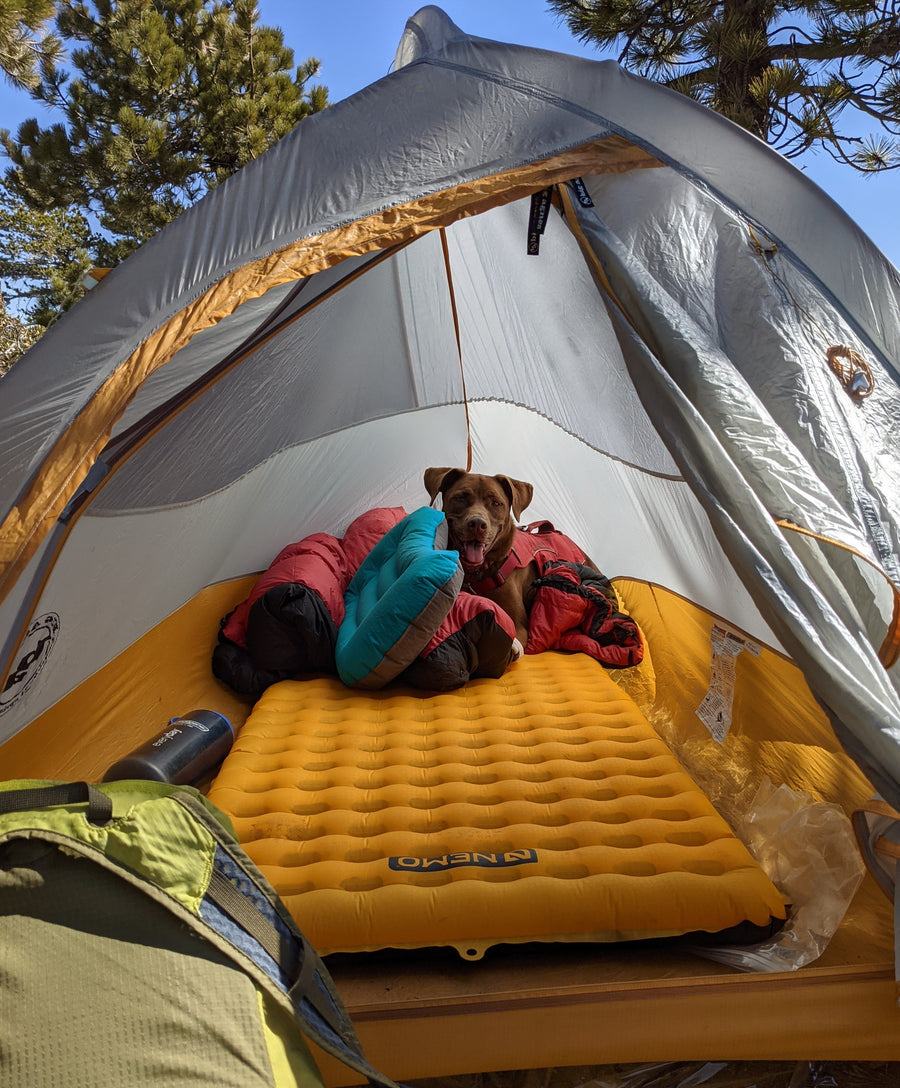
[(408, 864)]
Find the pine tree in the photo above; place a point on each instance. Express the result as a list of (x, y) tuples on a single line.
[(800, 74), (43, 258), (25, 48), (16, 337), (165, 99)]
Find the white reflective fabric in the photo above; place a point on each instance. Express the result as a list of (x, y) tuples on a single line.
[(535, 332), (208, 347), (774, 326), (347, 361)]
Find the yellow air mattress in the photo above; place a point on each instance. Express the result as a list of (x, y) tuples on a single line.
[(538, 807)]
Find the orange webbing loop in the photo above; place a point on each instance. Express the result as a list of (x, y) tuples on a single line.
[(462, 373), (889, 652)]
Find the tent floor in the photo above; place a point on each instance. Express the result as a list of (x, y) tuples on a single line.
[(431, 1014)]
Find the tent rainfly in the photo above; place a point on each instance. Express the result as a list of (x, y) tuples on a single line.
[(537, 265)]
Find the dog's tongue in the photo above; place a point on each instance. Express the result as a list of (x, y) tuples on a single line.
[(472, 553)]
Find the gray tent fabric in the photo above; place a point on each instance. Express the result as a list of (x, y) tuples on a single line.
[(359, 303)]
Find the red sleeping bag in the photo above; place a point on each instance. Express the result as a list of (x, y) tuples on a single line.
[(288, 624)]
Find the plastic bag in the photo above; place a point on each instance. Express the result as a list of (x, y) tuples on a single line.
[(808, 850)]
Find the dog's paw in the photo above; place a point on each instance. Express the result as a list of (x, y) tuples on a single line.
[(517, 649)]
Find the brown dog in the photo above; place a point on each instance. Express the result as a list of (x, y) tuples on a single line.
[(481, 513)]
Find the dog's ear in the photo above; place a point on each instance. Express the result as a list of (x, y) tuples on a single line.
[(520, 493), (438, 479)]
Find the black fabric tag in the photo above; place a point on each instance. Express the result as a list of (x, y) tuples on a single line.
[(537, 219), (581, 194)]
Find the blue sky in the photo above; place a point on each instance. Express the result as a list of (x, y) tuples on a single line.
[(356, 39)]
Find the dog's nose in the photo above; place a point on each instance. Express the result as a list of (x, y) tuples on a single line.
[(476, 524)]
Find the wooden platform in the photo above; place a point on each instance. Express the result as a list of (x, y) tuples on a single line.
[(540, 1006)]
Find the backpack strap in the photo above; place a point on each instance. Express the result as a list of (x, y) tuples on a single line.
[(99, 810)]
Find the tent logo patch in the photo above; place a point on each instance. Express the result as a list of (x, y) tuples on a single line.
[(35, 650)]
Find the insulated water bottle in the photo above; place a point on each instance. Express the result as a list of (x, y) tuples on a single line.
[(182, 753)]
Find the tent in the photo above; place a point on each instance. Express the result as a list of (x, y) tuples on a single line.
[(536, 265)]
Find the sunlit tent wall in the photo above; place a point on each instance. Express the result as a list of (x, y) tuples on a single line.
[(694, 363)]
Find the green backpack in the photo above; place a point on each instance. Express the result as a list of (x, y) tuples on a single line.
[(168, 961)]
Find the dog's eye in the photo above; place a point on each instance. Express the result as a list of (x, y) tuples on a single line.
[(496, 503)]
